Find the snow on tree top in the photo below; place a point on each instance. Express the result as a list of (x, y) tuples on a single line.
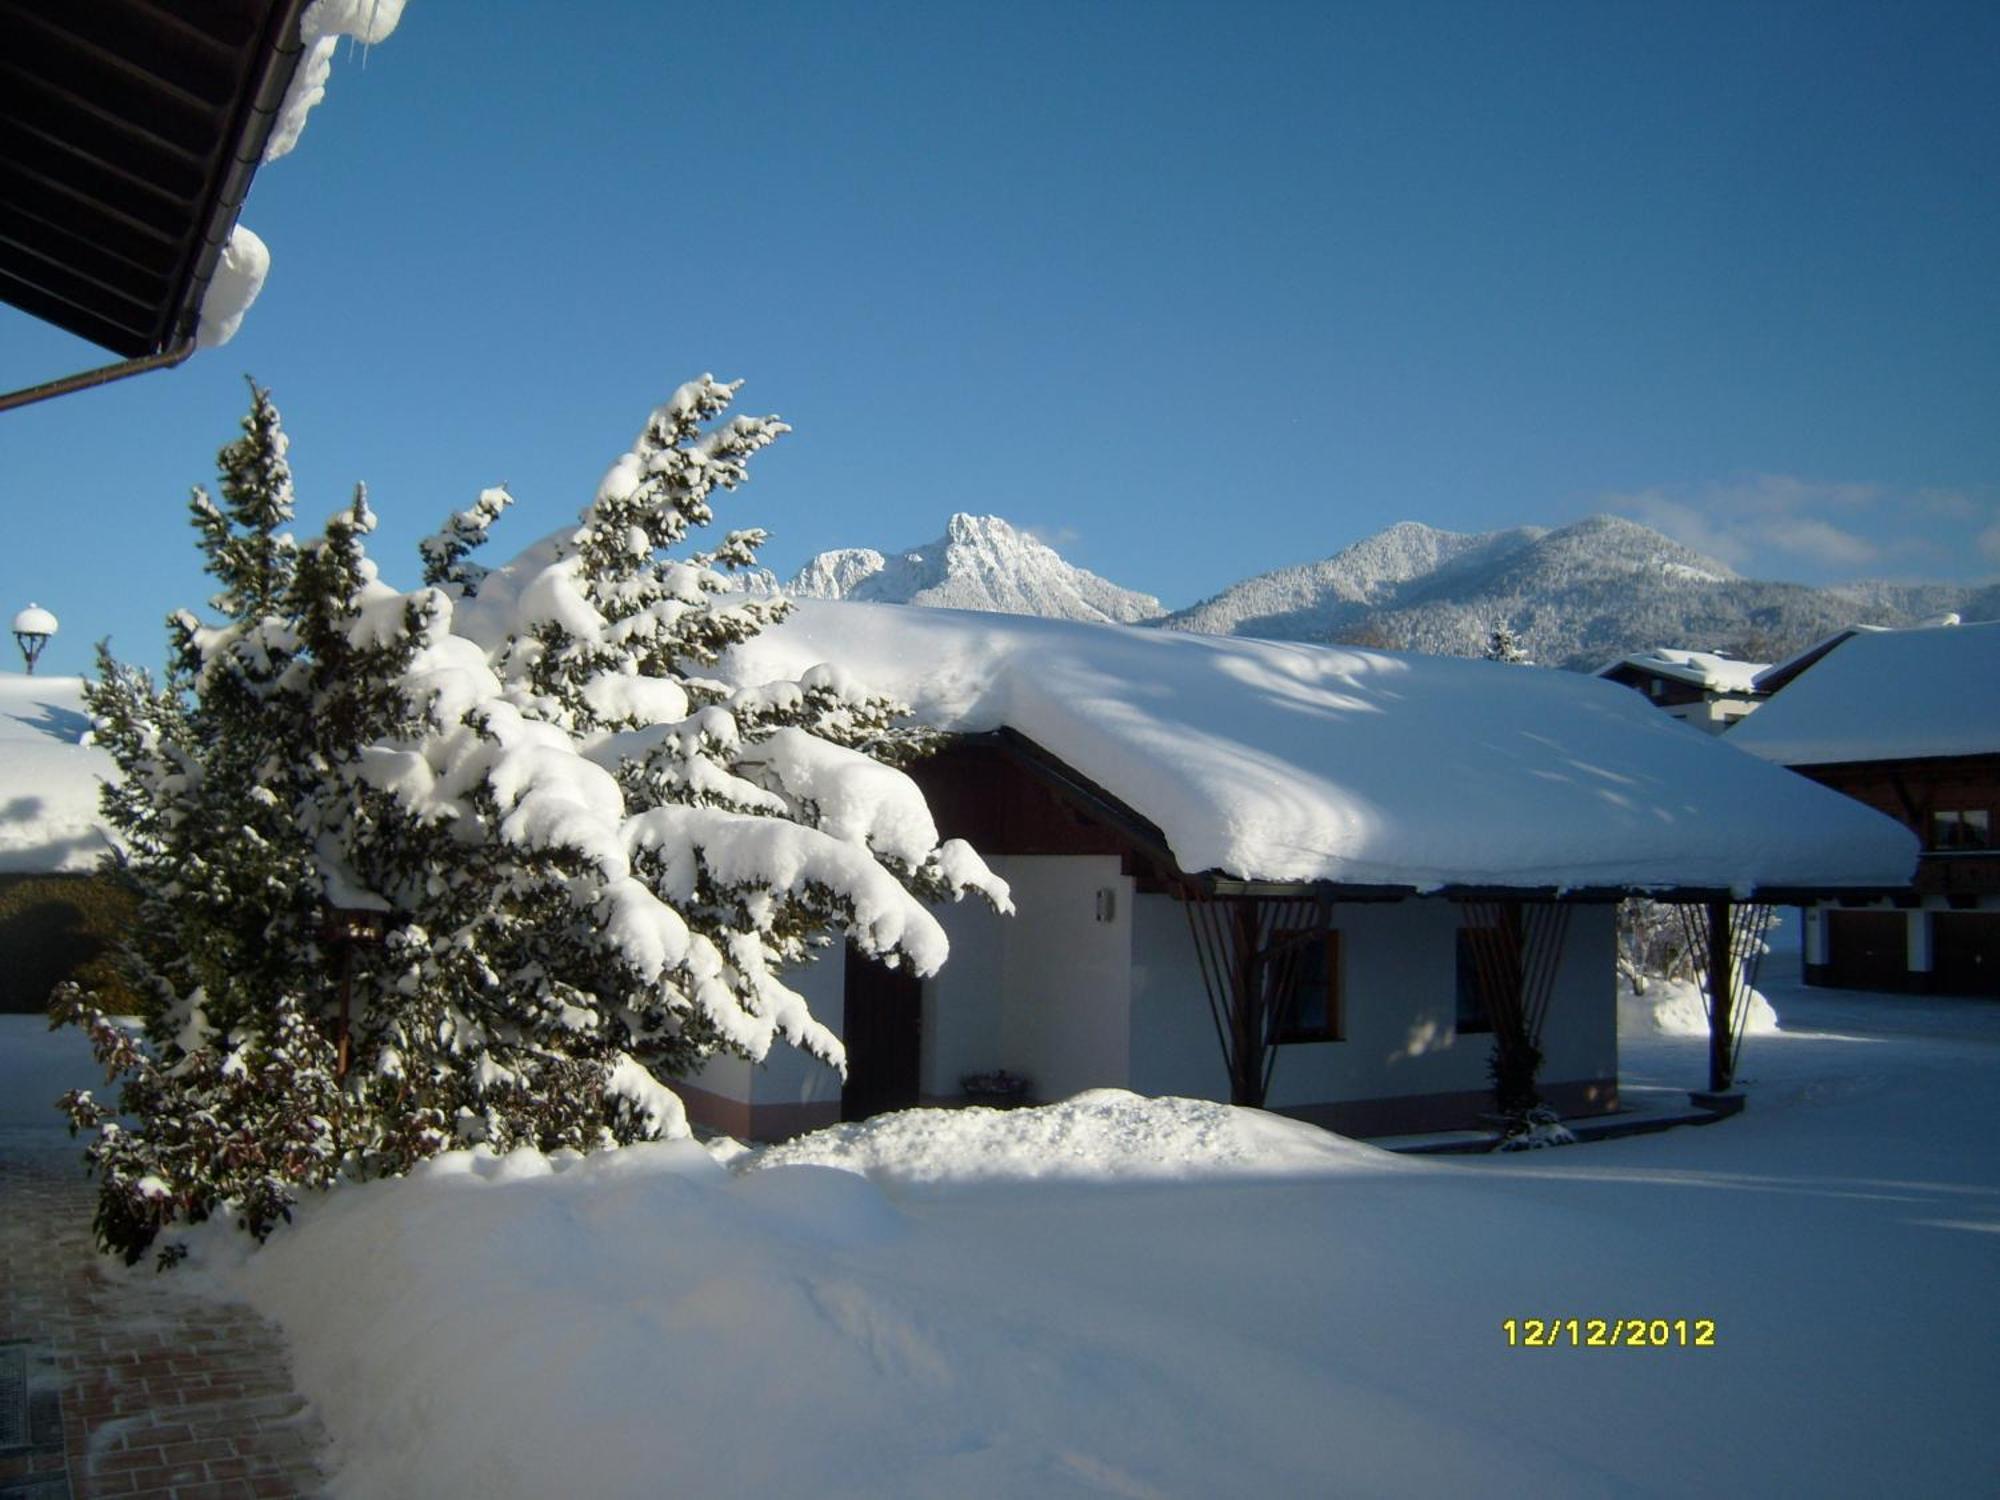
[(49, 778), (1281, 761), (1885, 695)]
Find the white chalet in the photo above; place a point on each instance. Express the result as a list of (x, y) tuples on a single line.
[(1325, 879)]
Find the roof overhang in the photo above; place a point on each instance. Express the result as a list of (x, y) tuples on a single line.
[(129, 133), (1223, 886), (1146, 839)]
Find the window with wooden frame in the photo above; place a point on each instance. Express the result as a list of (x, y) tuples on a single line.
[(1962, 828), (1302, 989), (1481, 950)]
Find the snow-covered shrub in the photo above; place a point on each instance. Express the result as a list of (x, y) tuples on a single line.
[(1534, 1130), (585, 865), (1677, 1007), (1652, 944)]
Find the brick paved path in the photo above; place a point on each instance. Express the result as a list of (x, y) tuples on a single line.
[(163, 1395)]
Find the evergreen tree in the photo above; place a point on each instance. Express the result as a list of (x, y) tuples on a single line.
[(233, 793), (586, 864), (1502, 646)]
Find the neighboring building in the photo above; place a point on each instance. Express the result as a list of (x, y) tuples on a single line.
[(1233, 857), (57, 919), (1908, 722), (1708, 689)]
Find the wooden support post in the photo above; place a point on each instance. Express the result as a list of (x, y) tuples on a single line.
[(1246, 1085), (1721, 997)]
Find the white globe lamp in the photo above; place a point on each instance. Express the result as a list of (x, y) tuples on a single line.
[(32, 628)]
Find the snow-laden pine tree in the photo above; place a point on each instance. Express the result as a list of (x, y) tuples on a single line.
[(1502, 645), (237, 787), (588, 865)]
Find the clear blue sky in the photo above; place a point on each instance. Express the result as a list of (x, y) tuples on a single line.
[(1192, 290)]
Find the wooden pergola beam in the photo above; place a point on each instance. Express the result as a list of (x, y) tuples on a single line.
[(1248, 949), (1728, 945), (1721, 999)]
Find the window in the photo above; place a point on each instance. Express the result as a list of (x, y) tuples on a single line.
[(1478, 948), (1962, 829), (1303, 989)]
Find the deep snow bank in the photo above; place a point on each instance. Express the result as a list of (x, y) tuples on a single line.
[(1100, 1134)]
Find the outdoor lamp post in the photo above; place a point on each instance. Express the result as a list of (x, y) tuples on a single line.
[(32, 628), (349, 928)]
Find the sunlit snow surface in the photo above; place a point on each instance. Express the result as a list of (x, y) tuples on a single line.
[(49, 779), (1101, 1135), (245, 262), (1886, 695), (977, 1316), (239, 279), (321, 28), (1282, 761), (1703, 669)]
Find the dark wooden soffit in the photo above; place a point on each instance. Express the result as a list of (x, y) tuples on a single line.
[(129, 132), (1215, 883)]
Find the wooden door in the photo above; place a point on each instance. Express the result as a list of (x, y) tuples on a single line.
[(1965, 952), (884, 1021), (1868, 950)]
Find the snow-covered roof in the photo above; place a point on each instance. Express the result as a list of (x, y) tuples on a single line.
[(1775, 677), (49, 779), (1710, 671), (1886, 695), (1288, 762)]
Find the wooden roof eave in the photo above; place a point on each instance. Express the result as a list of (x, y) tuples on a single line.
[(86, 292), (1217, 884), (257, 115)]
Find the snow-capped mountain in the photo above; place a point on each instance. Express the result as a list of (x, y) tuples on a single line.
[(980, 562), (1315, 601), (1576, 596)]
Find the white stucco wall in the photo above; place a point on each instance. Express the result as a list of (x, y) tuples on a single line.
[(1399, 985), (1076, 1003), (1399, 999), (1580, 1035), (1066, 976), (962, 1001), (1174, 1049)]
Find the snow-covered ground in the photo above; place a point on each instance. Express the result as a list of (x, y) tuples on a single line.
[(49, 778), (1146, 1301)]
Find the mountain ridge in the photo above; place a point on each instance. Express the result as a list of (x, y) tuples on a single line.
[(1574, 596), (981, 562)]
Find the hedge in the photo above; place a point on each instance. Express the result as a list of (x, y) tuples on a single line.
[(57, 927)]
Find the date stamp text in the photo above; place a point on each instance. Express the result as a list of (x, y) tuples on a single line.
[(1609, 1333)]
